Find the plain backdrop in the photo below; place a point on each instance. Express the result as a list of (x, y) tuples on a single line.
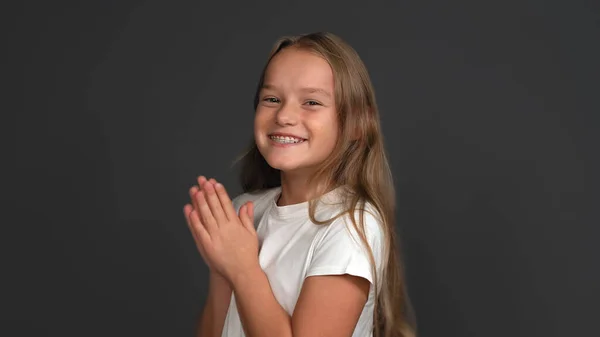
[(111, 109)]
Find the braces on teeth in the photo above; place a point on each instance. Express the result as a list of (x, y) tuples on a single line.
[(286, 140)]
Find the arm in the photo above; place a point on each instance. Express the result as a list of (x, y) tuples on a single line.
[(210, 322), (327, 306)]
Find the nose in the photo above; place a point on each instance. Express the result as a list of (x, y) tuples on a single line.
[(286, 115)]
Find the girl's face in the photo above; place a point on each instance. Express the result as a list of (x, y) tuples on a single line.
[(295, 125)]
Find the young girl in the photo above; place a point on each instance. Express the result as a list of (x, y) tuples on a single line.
[(309, 249)]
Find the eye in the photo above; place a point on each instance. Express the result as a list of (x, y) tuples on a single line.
[(311, 102), (271, 100)]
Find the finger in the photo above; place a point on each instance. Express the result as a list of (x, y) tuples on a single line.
[(201, 180), (196, 188), (195, 229), (205, 215), (247, 216), (251, 211), (201, 234), (186, 213), (187, 210), (225, 201), (213, 202), (193, 191)]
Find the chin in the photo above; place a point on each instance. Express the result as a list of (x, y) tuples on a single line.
[(287, 165), (281, 164)]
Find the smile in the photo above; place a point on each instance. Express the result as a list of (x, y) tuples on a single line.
[(286, 140)]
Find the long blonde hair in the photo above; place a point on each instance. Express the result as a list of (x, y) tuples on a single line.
[(359, 162)]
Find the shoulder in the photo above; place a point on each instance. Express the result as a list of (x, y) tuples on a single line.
[(259, 198), (346, 245), (361, 231), (365, 220)]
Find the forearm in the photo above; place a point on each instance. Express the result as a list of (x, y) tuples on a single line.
[(260, 312), (215, 310)]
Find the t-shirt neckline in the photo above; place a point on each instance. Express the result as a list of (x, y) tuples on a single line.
[(295, 210)]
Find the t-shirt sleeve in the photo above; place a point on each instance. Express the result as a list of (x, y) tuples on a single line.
[(243, 198), (238, 202), (341, 251)]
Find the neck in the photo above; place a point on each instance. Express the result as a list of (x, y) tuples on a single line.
[(295, 189)]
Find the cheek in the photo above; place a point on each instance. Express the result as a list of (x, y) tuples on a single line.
[(331, 140), (326, 130), (332, 133), (260, 120), (327, 123)]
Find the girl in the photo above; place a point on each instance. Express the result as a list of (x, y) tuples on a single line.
[(309, 248)]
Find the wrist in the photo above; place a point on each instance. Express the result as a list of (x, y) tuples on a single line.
[(215, 275), (249, 276), (216, 281)]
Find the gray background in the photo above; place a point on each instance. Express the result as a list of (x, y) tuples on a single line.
[(112, 108)]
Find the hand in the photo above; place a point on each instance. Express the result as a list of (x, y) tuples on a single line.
[(227, 241), (187, 209)]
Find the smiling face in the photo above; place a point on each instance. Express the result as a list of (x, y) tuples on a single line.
[(296, 126)]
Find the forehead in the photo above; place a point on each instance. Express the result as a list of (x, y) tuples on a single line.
[(294, 68)]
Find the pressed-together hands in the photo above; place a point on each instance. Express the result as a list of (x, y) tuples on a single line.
[(227, 241)]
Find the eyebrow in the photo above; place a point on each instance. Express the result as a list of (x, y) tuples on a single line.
[(306, 89)]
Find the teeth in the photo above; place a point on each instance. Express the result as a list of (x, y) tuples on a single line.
[(286, 140)]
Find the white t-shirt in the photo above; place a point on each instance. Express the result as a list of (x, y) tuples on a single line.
[(293, 248)]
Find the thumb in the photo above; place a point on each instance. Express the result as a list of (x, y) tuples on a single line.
[(247, 216)]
